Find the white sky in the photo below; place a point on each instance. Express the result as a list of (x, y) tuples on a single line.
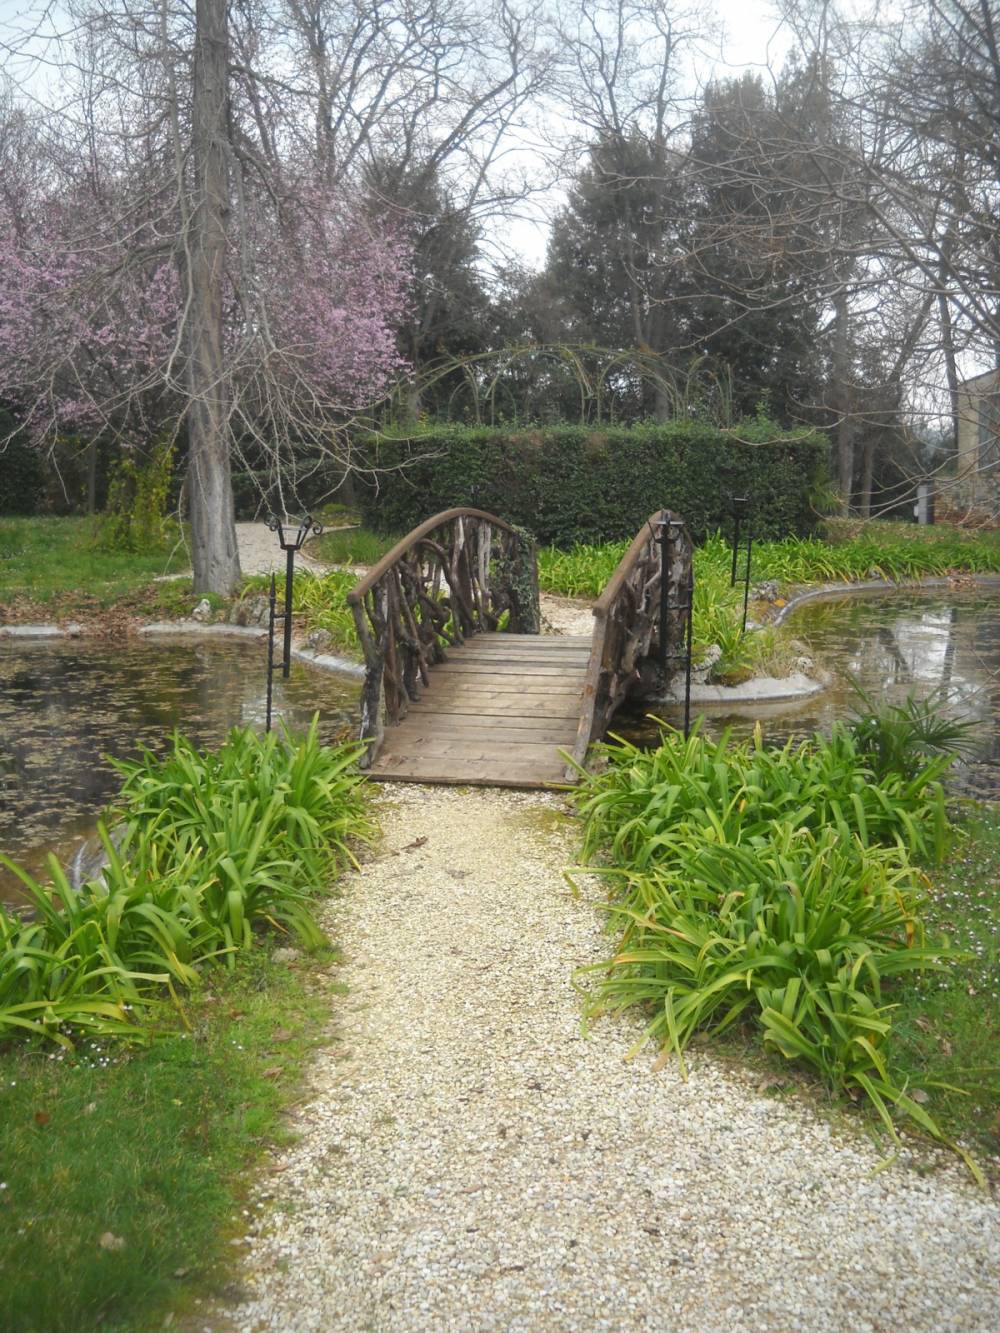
[(752, 37)]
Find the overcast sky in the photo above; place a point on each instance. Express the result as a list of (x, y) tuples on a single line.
[(752, 38)]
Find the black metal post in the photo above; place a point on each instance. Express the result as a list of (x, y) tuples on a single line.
[(290, 546), (286, 651), (687, 652), (739, 504), (270, 653), (686, 607)]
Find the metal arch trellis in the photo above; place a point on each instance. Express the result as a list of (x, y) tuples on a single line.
[(688, 390)]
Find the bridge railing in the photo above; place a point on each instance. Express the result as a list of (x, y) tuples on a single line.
[(627, 619), (456, 575)]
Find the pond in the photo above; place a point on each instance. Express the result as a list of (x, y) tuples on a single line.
[(893, 645), (65, 704)]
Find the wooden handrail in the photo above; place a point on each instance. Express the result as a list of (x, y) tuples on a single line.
[(406, 543), (627, 623), (625, 565), (455, 575)]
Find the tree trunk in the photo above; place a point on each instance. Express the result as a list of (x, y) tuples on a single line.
[(663, 402), (867, 471), (845, 422), (210, 490), (92, 476), (950, 362)]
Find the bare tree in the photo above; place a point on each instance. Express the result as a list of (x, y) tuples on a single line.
[(202, 257), (920, 87)]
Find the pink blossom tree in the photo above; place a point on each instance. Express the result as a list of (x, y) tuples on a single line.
[(153, 275)]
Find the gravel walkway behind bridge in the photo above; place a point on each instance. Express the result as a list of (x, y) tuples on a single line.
[(469, 1161)]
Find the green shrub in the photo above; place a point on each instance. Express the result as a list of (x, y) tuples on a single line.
[(135, 518), (208, 849), (571, 484), (22, 472), (776, 886)]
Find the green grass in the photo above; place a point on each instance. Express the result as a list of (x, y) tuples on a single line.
[(152, 1146), (321, 600), (351, 546), (52, 560), (947, 1025)]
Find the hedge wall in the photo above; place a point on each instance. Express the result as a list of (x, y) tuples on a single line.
[(22, 473), (575, 484)]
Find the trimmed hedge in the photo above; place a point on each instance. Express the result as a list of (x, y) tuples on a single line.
[(572, 483), (22, 472)]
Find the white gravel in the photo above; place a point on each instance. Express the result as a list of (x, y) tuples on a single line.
[(260, 552), (469, 1161)]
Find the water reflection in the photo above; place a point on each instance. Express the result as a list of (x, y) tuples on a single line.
[(64, 705), (905, 643)]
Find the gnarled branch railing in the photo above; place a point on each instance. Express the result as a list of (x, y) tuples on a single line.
[(450, 578), (627, 624)]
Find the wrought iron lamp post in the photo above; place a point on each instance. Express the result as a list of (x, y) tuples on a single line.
[(740, 504), (741, 515), (290, 545)]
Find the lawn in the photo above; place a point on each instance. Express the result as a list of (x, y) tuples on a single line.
[(123, 1170), (51, 561), (948, 1023)]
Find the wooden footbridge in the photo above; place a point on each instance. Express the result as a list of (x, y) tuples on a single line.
[(461, 685)]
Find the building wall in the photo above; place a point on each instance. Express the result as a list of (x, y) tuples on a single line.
[(978, 472)]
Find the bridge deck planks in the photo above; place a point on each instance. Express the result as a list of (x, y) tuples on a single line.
[(495, 714)]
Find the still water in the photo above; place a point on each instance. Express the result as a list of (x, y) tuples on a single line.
[(904, 643), (65, 705)]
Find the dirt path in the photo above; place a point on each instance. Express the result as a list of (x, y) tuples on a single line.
[(468, 1160)]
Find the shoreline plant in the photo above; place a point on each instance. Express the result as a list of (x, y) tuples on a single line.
[(204, 851), (776, 887)]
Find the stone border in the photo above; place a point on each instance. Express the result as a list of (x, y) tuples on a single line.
[(831, 591), (71, 631), (764, 689), (167, 628), (760, 690)]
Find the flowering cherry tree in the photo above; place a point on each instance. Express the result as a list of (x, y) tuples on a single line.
[(158, 277)]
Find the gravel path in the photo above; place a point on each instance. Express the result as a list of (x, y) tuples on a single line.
[(469, 1161), (260, 552)]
